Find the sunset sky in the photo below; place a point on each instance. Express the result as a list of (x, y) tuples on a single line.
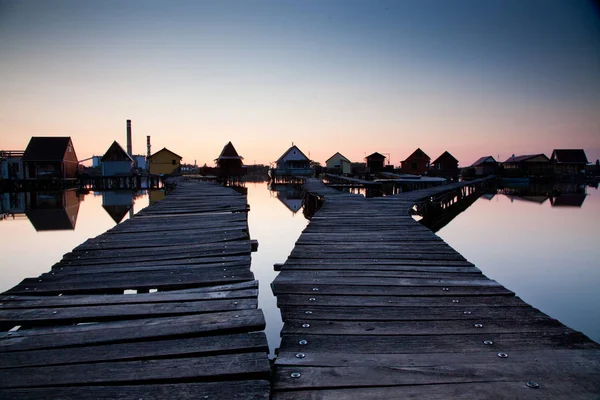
[(474, 77)]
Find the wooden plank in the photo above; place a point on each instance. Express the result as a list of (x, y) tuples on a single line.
[(325, 291), (139, 350), (124, 331), (99, 313), (556, 389), (495, 371), (229, 390), (224, 367), (378, 299)]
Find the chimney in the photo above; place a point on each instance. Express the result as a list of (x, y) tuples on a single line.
[(129, 138), (148, 144)]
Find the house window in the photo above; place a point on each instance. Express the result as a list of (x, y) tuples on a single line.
[(173, 162)]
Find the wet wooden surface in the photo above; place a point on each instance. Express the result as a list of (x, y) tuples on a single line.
[(376, 306), (163, 305)]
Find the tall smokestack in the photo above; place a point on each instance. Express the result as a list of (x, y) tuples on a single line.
[(148, 144), (129, 137)]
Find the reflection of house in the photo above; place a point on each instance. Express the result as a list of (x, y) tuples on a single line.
[(417, 163), (485, 166), (155, 196), (10, 165), (290, 196), (116, 161), (229, 161), (532, 164), (569, 161), (117, 203), (375, 162), (445, 165), (164, 162), (568, 200), (49, 211), (50, 157), (12, 203), (292, 163), (338, 164)]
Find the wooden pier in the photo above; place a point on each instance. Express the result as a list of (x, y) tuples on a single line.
[(376, 306), (162, 306)]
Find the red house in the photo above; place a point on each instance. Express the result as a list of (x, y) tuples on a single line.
[(50, 157), (417, 163), (445, 166)]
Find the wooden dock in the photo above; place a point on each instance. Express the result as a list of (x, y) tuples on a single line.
[(376, 306), (162, 306)]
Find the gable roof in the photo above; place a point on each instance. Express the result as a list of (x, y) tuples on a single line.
[(483, 160), (229, 153), (337, 153), (569, 156), (165, 149), (46, 148), (288, 151), (518, 159), (418, 153), (116, 153), (117, 213), (375, 156), (445, 154)]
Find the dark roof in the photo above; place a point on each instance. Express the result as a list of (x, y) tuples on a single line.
[(518, 159), (46, 148), (569, 156), (116, 153), (290, 149), (229, 153), (482, 160), (569, 200), (375, 156), (341, 155), (117, 212), (50, 219), (445, 155), (165, 149), (418, 153)]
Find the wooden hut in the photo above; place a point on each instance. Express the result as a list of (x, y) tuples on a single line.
[(527, 165), (338, 164), (50, 157), (375, 162), (485, 166), (291, 163), (229, 162), (116, 161), (569, 161), (164, 162), (417, 163), (445, 166)]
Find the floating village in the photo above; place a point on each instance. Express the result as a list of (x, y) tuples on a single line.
[(374, 304)]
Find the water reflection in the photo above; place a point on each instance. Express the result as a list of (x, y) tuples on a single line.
[(558, 194), (117, 204), (289, 194)]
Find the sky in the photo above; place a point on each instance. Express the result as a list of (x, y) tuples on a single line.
[(473, 77)]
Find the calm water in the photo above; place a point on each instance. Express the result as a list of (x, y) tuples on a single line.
[(546, 252)]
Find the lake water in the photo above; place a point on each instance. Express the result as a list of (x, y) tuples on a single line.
[(544, 248)]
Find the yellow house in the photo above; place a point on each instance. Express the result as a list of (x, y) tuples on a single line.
[(338, 164), (164, 162)]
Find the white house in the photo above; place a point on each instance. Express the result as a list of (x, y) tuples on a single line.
[(292, 163)]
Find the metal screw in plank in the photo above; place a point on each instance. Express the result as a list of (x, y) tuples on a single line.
[(306, 325), (502, 355), (295, 375), (312, 299), (455, 301), (488, 342), (315, 289), (467, 312), (445, 289), (307, 312), (303, 342), (300, 355), (235, 302), (54, 312), (533, 385), (478, 325)]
